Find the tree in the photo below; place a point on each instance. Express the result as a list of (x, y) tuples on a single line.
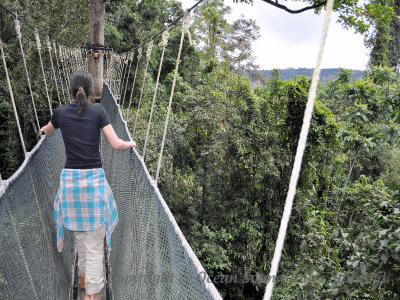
[(96, 37), (394, 44), (238, 46), (210, 25), (70, 31)]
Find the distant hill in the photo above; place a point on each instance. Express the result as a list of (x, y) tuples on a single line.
[(326, 75)]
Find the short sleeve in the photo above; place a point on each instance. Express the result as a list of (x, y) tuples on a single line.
[(104, 119), (54, 119)]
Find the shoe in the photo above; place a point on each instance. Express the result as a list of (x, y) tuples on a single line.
[(92, 297), (83, 280)]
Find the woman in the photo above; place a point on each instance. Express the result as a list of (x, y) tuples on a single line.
[(84, 202)]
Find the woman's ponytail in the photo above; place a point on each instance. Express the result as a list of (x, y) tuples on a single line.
[(81, 89), (82, 102)]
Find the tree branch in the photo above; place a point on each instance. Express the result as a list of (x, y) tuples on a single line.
[(276, 4)]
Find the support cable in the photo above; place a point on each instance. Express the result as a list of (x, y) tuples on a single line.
[(62, 60), (125, 59), (107, 68), (12, 97), (127, 79), (298, 159), (39, 47), (18, 30), (67, 59), (52, 68), (111, 71), (148, 56), (164, 44), (185, 29), (59, 70), (121, 63), (134, 81)]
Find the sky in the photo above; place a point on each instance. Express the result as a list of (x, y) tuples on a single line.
[(292, 40)]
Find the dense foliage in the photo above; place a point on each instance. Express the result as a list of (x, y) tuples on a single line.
[(230, 150)]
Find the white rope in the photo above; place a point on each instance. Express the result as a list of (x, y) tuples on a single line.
[(127, 79), (112, 71), (125, 59), (108, 57), (12, 97), (62, 60), (64, 65), (18, 30), (120, 72), (148, 56), (164, 44), (186, 25), (134, 81), (52, 68), (68, 61), (59, 69), (185, 29), (298, 159), (39, 47)]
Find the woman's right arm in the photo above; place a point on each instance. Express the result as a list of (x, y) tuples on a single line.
[(115, 141)]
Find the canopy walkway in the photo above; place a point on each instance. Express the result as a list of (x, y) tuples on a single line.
[(150, 257)]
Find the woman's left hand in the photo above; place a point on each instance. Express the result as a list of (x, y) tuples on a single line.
[(48, 129)]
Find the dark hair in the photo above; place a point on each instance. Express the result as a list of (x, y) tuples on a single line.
[(81, 89)]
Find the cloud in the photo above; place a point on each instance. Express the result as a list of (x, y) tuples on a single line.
[(292, 40)]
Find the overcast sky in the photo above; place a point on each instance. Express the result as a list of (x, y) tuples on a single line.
[(289, 40)]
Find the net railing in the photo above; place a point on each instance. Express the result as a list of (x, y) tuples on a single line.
[(30, 265), (150, 258)]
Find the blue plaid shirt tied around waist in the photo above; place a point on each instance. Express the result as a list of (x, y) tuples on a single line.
[(84, 202)]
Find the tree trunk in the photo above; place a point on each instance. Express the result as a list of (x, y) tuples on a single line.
[(96, 37), (346, 182)]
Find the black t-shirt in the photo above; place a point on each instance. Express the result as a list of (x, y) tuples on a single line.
[(81, 135)]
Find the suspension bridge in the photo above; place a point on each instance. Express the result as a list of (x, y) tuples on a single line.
[(150, 257)]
